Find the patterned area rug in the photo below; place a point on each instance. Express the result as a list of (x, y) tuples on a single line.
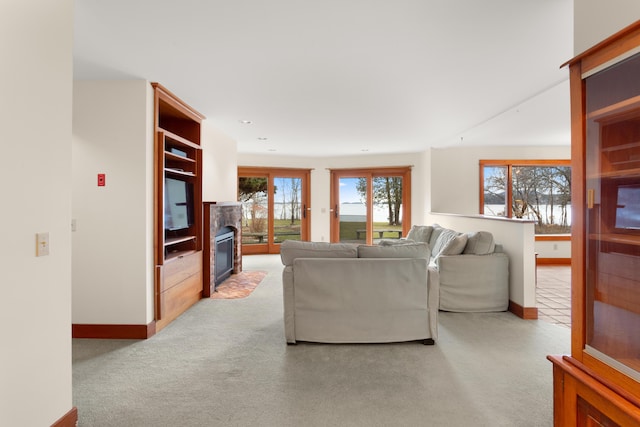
[(239, 285)]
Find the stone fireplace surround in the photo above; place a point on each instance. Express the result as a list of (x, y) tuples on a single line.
[(218, 215)]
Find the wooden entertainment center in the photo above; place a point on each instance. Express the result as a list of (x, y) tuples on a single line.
[(177, 207), (598, 384)]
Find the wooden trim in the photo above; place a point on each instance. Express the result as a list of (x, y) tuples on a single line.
[(509, 164), (573, 380), (604, 380), (481, 188), (509, 201), (269, 173), (525, 162), (158, 206), (553, 237), (608, 48), (602, 370), (113, 331), (578, 184), (170, 98), (70, 419), (553, 261), (334, 228), (369, 173), (376, 170), (527, 313), (406, 203), (262, 170)]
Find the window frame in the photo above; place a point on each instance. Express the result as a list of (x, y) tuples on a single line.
[(510, 164), (271, 247), (369, 173)]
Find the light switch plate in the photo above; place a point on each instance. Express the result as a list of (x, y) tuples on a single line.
[(42, 244)]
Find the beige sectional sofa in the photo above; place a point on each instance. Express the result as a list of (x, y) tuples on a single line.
[(471, 270), (345, 293)]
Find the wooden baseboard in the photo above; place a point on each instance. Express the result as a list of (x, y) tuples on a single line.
[(70, 419), (527, 313), (114, 331), (553, 261)]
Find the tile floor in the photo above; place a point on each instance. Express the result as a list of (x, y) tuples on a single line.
[(553, 294)]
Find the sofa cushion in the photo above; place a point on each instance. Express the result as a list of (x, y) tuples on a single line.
[(445, 236), (394, 242), (455, 246), (420, 233), (410, 250), (480, 243), (435, 233), (292, 249)]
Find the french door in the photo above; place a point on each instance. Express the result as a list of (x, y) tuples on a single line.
[(370, 204), (275, 207)]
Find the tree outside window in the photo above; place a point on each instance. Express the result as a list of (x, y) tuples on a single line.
[(387, 193), (534, 190)]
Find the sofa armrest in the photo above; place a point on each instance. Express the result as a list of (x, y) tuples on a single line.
[(474, 283), (289, 301)]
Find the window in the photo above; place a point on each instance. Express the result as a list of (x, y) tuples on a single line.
[(370, 204), (275, 207), (538, 190)]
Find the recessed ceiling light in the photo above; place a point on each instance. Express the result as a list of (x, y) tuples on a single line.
[(245, 122)]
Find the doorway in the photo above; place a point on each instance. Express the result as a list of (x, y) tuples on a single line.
[(275, 207), (368, 205)]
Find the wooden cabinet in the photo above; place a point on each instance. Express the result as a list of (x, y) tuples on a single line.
[(178, 206), (599, 383)]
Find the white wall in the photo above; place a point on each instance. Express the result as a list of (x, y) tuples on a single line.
[(455, 172), (553, 249), (595, 20), (36, 42), (455, 181), (320, 180), (219, 160), (113, 260)]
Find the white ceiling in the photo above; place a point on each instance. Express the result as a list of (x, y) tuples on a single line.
[(341, 77)]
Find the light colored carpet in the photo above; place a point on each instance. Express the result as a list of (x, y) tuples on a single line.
[(225, 363)]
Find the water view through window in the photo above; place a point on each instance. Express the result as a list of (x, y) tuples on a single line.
[(535, 192)]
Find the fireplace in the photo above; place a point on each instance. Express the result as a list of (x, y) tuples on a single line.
[(222, 243), (223, 254)]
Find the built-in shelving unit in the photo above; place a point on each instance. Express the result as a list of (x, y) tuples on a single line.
[(178, 207), (599, 383)]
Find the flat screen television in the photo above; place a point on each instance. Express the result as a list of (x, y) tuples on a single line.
[(178, 204), (627, 216)]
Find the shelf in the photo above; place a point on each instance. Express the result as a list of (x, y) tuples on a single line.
[(621, 147), (169, 241), (627, 239), (178, 172), (171, 156), (177, 138), (623, 173), (619, 111)]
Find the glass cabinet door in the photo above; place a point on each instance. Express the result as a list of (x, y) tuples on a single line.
[(612, 216)]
